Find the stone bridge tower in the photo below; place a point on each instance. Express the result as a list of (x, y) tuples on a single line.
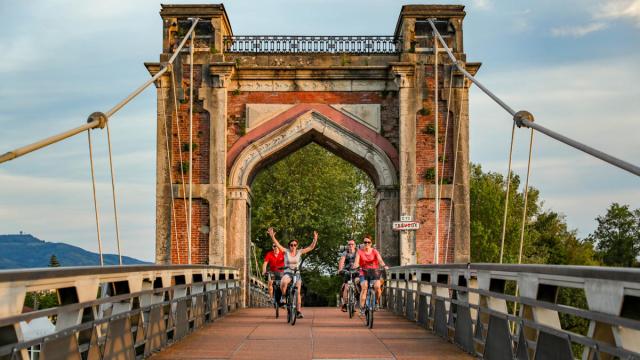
[(256, 99)]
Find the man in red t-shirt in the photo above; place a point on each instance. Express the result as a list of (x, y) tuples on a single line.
[(275, 260)]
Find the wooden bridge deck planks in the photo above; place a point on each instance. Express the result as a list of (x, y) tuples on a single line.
[(324, 333)]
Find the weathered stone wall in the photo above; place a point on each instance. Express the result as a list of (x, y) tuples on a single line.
[(199, 239), (180, 132), (425, 164)]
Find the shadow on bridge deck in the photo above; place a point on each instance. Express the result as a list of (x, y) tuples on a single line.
[(324, 333)]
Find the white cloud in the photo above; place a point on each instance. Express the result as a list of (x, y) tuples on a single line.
[(578, 100), (620, 9), (481, 4), (579, 30)]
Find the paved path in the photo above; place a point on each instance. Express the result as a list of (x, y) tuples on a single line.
[(324, 333)]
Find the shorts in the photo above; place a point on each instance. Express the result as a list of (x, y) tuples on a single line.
[(364, 278), (346, 277), (286, 274), (275, 276), (375, 275)]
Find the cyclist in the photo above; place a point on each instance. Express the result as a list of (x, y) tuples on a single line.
[(347, 258), (368, 258), (275, 260), (292, 262)]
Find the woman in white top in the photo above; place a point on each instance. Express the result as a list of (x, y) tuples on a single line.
[(292, 261)]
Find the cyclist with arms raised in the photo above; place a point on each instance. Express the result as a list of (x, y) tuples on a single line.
[(368, 258), (346, 262), (292, 261)]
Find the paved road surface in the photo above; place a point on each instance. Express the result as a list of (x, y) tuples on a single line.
[(324, 333)]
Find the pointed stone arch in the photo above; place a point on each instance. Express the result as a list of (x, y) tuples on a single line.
[(290, 131), (365, 152)]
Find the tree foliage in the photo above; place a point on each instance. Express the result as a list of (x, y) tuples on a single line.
[(53, 261), (617, 236), (547, 239), (313, 189)]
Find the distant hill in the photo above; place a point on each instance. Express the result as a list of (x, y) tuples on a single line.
[(26, 251)]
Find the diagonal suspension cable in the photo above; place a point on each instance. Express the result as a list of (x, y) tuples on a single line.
[(522, 119), (436, 251), (173, 210), (506, 200), (189, 228), (455, 166), (444, 158), (177, 117), (526, 193), (10, 155), (113, 192), (95, 200)]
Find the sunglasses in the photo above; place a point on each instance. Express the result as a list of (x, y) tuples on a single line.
[(367, 242), (293, 245)]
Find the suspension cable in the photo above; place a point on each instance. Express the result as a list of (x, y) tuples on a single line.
[(113, 192), (10, 155), (634, 169), (522, 224), (444, 157), (190, 145), (95, 200), (175, 104), (173, 210), (506, 200), (526, 193), (455, 166), (436, 252)]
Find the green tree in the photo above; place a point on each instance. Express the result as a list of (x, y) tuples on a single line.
[(547, 239), (313, 189), (487, 197), (53, 261), (617, 236)]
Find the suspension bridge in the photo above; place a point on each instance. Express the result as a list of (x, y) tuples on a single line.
[(362, 97)]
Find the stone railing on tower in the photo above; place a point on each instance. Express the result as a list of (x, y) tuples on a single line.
[(523, 311), (112, 311), (312, 44)]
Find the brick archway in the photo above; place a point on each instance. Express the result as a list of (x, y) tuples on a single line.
[(304, 123), (368, 99), (288, 132)]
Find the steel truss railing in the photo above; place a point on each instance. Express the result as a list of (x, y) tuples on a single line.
[(109, 312), (312, 44), (259, 293), (471, 306)]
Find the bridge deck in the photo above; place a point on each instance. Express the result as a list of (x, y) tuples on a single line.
[(324, 333)]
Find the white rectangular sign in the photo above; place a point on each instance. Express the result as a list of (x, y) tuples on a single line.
[(406, 225), (406, 218)]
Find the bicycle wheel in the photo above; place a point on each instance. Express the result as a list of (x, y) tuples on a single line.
[(288, 305), (294, 307), (277, 309), (371, 305), (350, 303)]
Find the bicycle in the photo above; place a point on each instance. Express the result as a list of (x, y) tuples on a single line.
[(291, 294), (353, 294), (277, 293), (370, 302)]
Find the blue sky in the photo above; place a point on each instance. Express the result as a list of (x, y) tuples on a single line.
[(574, 64)]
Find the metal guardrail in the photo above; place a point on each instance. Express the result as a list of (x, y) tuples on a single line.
[(113, 312), (258, 293), (472, 306), (312, 44)]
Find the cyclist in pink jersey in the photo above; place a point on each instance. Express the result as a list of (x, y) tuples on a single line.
[(368, 258)]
